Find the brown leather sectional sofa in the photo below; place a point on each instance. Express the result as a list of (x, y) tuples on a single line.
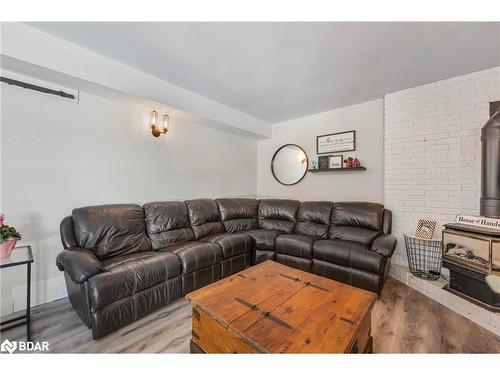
[(121, 262)]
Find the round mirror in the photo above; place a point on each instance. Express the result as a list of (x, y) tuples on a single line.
[(289, 164)]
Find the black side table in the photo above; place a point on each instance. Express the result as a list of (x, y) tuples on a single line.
[(20, 256)]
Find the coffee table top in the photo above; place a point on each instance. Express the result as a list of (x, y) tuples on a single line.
[(279, 309)]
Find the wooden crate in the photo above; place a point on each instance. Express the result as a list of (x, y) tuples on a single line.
[(272, 308)]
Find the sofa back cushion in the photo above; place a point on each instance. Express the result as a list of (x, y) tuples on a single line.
[(313, 218), (356, 221), (111, 230), (205, 217), (238, 213), (167, 223), (278, 214)]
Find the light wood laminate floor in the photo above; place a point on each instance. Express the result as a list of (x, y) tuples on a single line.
[(403, 321)]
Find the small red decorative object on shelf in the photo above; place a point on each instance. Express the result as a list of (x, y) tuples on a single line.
[(352, 163)]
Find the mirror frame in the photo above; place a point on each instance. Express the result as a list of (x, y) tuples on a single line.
[(274, 157)]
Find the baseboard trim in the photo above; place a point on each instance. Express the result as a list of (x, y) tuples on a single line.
[(42, 291)]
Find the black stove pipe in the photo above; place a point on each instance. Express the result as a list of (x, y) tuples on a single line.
[(490, 167)]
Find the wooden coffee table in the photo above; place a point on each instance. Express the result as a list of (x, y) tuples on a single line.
[(272, 308)]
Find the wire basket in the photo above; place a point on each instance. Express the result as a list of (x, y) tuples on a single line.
[(424, 257)]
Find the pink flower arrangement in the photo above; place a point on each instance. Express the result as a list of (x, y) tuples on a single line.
[(6, 231), (8, 237)]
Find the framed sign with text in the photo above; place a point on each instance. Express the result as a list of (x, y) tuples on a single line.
[(336, 142)]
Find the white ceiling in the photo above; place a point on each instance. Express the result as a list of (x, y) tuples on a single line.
[(279, 71)]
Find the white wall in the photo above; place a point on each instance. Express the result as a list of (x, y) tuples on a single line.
[(57, 155), (366, 118), (432, 150)]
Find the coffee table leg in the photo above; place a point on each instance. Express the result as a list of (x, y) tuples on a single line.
[(194, 348), (28, 302), (369, 347)]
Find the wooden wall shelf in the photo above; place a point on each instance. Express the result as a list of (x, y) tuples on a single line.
[(337, 170)]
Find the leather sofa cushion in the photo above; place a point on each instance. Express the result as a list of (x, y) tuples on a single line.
[(126, 275), (200, 278), (370, 281), (299, 245), (238, 214), (278, 214), (196, 255), (263, 239), (348, 233), (358, 214), (356, 221), (295, 262), (167, 223), (231, 243), (349, 254), (205, 217), (111, 230), (313, 218)]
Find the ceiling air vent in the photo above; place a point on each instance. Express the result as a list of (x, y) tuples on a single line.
[(38, 86)]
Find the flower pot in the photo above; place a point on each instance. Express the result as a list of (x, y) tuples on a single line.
[(6, 248)]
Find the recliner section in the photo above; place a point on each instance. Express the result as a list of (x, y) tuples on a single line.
[(200, 264), (296, 249), (172, 230), (206, 220), (114, 277), (347, 255), (128, 275), (122, 262)]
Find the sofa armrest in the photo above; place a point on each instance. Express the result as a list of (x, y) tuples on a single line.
[(384, 245), (79, 263)]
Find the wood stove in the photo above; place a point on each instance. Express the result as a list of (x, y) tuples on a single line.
[(473, 252)]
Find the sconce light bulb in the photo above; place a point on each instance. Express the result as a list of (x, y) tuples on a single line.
[(166, 121), (153, 118)]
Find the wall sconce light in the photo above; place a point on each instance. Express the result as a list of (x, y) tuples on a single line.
[(155, 130)]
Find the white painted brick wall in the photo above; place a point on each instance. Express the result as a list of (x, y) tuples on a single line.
[(432, 150)]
